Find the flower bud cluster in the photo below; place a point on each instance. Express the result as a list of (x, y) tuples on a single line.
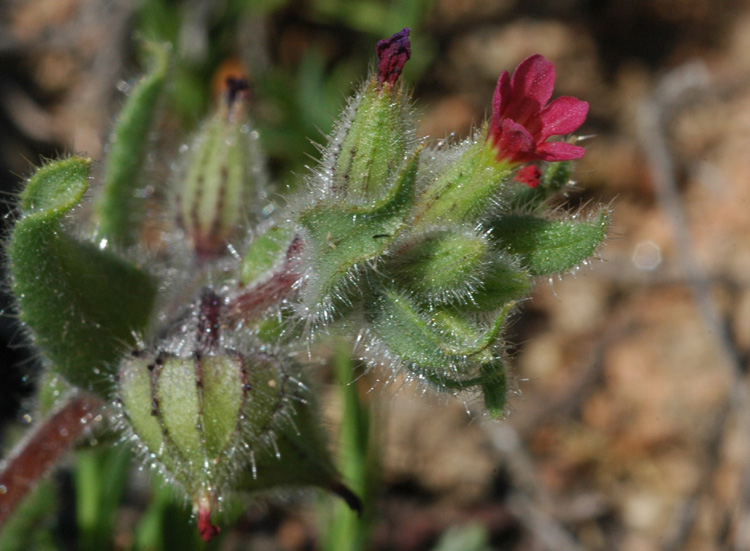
[(430, 249)]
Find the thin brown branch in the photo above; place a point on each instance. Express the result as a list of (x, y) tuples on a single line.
[(34, 456)]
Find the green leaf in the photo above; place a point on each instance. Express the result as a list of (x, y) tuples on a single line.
[(494, 388), (341, 527), (82, 304), (503, 283), (341, 236), (299, 455), (101, 475), (550, 246), (439, 337), (445, 347), (118, 209)]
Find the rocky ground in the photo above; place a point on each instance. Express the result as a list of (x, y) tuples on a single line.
[(629, 424)]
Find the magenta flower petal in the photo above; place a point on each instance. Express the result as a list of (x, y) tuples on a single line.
[(559, 151), (500, 101), (534, 77), (532, 84), (522, 121), (515, 140), (563, 116), (501, 98), (393, 53)]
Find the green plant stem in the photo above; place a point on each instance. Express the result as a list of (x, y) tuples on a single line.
[(347, 528)]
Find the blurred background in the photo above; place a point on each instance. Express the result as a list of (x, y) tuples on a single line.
[(629, 421)]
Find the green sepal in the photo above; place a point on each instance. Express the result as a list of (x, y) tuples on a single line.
[(219, 190), (267, 252), (82, 303), (117, 211), (446, 347), (442, 265), (465, 190), (550, 246), (374, 147), (340, 236), (298, 455)]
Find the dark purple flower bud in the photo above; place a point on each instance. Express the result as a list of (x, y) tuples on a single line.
[(393, 53)]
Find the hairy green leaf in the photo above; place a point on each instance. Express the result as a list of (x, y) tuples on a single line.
[(341, 236), (118, 212), (82, 303), (550, 246), (444, 346)]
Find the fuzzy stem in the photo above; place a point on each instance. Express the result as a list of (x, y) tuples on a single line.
[(261, 297), (34, 456), (249, 305)]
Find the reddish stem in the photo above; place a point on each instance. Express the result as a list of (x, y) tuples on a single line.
[(261, 297), (34, 456)]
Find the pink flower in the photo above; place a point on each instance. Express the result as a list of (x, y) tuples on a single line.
[(393, 53), (522, 122)]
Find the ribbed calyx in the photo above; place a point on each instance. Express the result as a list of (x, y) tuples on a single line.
[(224, 177), (223, 423)]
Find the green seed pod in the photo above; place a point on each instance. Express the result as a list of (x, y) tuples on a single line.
[(374, 146), (222, 178), (221, 423), (192, 413)]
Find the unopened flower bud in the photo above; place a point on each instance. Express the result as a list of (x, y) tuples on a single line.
[(393, 53), (222, 176), (373, 139), (444, 265)]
